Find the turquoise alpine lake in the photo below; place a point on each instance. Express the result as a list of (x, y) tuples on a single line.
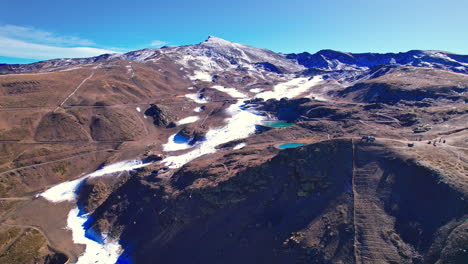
[(290, 145), (276, 124)]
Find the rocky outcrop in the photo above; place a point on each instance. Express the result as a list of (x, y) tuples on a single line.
[(56, 258), (408, 119), (94, 191), (285, 109), (193, 133), (151, 156), (161, 116), (268, 67)]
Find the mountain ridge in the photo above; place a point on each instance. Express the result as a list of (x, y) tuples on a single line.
[(236, 53)]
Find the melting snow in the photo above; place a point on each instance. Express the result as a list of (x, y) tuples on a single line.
[(63, 192), (66, 191), (138, 109), (291, 88), (196, 98), (256, 90), (198, 109), (188, 120), (241, 124), (109, 251), (202, 76), (231, 91), (239, 146), (106, 253)]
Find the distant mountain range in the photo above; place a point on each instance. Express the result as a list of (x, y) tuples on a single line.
[(335, 60), (219, 54)]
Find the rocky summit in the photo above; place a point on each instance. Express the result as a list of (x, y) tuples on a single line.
[(221, 152)]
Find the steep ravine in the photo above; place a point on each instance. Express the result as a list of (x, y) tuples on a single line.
[(404, 211), (304, 205)]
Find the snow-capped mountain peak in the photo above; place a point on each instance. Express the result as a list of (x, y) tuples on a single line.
[(215, 40)]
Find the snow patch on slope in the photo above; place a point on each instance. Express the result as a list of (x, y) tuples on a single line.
[(239, 146), (201, 76), (66, 191), (103, 253), (291, 88), (106, 253), (62, 192), (256, 90), (234, 93), (188, 120)]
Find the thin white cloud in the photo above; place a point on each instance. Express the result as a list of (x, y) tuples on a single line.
[(34, 35), (31, 43), (27, 50), (157, 43)]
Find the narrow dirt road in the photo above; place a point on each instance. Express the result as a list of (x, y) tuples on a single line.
[(74, 91)]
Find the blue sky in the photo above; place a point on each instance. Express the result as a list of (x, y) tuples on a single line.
[(37, 30)]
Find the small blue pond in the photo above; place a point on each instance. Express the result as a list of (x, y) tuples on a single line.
[(276, 124), (290, 145), (180, 139)]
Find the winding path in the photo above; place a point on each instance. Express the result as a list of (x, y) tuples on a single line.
[(74, 91)]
